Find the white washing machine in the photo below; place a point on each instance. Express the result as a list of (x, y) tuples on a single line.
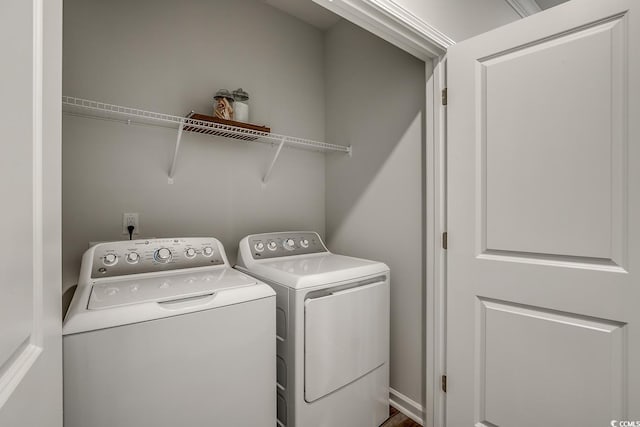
[(163, 333), (332, 328)]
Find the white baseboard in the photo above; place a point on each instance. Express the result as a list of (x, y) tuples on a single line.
[(407, 406)]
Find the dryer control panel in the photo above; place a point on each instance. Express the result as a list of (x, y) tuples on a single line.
[(274, 245), (113, 259)]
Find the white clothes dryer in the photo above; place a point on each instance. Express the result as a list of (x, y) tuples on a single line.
[(332, 328), (163, 333)]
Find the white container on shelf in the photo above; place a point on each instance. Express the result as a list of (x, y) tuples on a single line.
[(241, 106)]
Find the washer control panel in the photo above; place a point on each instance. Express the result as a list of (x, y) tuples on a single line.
[(274, 245), (113, 259)]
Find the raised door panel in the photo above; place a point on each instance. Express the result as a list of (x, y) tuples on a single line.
[(532, 358), (552, 146)]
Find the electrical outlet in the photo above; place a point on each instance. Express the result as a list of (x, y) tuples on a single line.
[(130, 219)]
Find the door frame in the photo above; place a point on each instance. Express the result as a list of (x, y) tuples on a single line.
[(436, 255), (400, 27)]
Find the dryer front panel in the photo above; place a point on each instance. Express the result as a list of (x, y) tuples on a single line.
[(346, 336)]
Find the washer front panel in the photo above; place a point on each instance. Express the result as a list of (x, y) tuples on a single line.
[(146, 256)]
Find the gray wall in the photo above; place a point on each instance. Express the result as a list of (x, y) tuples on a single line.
[(171, 56), (374, 200)]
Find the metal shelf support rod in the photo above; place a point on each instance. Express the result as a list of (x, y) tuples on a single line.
[(172, 171), (273, 162)]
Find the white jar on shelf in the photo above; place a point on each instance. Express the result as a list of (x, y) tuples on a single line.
[(241, 105)]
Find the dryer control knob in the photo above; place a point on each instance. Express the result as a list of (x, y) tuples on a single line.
[(162, 255), (259, 247), (208, 251), (110, 259), (133, 257), (304, 243), (272, 245), (289, 244), (190, 253)]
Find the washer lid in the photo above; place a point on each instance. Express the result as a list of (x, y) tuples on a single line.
[(165, 288), (302, 271)]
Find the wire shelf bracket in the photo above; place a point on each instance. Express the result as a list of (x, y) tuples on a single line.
[(172, 170), (100, 110), (273, 162)]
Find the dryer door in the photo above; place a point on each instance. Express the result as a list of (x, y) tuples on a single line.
[(346, 337)]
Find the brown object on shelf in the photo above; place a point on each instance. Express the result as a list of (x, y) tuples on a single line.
[(221, 132)]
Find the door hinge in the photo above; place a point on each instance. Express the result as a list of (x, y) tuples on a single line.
[(444, 96), (444, 240), (443, 383)]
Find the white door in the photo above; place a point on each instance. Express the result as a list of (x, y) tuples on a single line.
[(30, 340), (543, 312)]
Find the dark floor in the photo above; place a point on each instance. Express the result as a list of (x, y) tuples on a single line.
[(397, 419)]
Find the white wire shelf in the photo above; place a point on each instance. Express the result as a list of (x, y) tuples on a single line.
[(102, 110)]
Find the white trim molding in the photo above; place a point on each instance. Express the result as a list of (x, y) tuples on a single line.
[(436, 223), (16, 368), (524, 8), (406, 405), (400, 14), (393, 23), (37, 334)]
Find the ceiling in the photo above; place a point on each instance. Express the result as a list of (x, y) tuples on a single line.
[(307, 11), (319, 17), (546, 4)]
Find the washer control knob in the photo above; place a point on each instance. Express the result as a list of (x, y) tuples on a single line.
[(208, 251), (133, 257), (272, 245), (110, 259), (162, 255), (259, 247), (304, 243), (289, 244), (190, 253)]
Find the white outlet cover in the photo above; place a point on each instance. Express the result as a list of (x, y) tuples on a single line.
[(128, 218)]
